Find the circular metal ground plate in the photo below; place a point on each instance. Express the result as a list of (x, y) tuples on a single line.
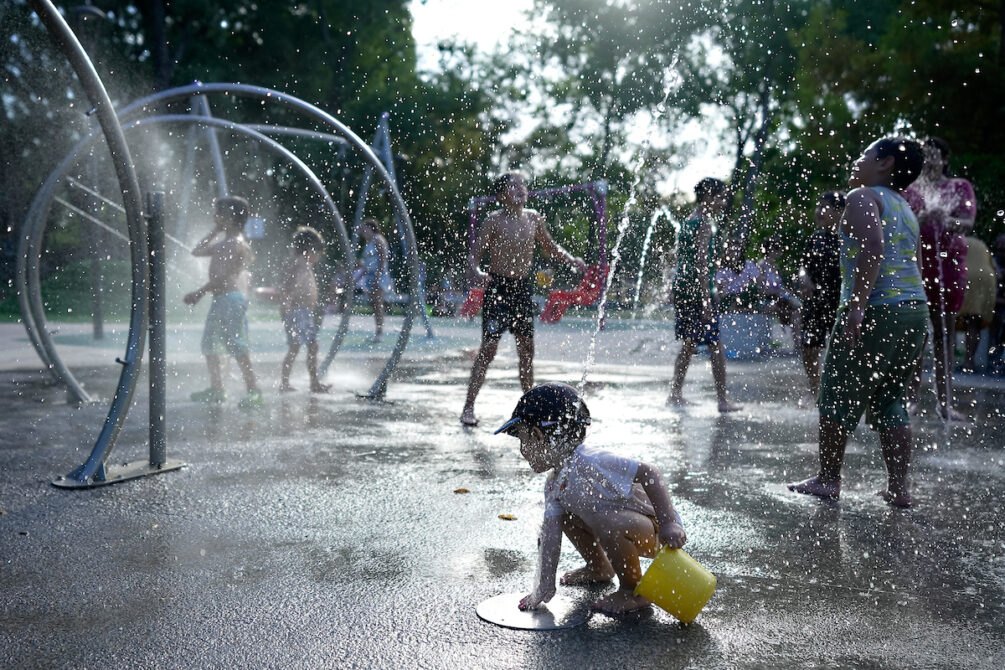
[(561, 612)]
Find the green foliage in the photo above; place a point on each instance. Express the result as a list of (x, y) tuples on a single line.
[(66, 292)]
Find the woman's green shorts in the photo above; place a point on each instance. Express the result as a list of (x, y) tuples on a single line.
[(873, 376)]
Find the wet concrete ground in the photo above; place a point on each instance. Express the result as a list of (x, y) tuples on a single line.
[(324, 531)]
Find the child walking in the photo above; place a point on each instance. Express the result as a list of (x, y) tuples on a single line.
[(612, 509), (694, 298), (226, 329), (881, 322), (375, 279), (508, 235), (299, 306)]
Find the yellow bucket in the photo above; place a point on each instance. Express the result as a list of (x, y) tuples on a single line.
[(677, 583)]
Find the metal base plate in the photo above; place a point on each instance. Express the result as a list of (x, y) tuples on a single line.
[(503, 610), (118, 473)]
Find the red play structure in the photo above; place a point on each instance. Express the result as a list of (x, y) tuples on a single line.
[(592, 285)]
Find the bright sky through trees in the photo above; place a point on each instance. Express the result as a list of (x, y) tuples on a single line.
[(488, 25)]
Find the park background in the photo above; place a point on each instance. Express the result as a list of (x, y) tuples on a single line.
[(775, 97)]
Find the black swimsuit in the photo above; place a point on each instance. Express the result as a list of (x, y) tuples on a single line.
[(508, 305)]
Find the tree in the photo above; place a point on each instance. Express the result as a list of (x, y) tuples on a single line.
[(356, 60)]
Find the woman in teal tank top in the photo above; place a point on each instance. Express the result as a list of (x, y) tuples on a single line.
[(881, 324)]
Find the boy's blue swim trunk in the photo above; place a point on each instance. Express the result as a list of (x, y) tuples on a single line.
[(226, 326), (301, 325)]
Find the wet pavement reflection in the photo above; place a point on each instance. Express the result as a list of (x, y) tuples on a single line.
[(325, 531)]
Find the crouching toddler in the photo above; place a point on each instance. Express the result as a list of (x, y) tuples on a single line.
[(612, 509)]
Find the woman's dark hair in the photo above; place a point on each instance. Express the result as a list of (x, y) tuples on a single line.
[(708, 188), (835, 199), (908, 159), (944, 151)]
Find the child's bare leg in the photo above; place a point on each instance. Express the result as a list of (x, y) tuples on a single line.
[(215, 368), (680, 366), (944, 351), (486, 353), (312, 369), (914, 382), (719, 377), (827, 482), (897, 444), (598, 568), (624, 536), (250, 381), (291, 355), (377, 302), (525, 353), (811, 363)]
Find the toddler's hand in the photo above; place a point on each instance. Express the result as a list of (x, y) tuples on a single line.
[(673, 535), (192, 298), (533, 600), (579, 263)]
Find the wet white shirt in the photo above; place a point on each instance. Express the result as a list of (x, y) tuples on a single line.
[(593, 480)]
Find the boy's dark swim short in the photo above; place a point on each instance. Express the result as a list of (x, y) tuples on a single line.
[(508, 305), (691, 326), (818, 321)]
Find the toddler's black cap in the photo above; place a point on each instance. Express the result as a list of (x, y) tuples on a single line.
[(546, 405)]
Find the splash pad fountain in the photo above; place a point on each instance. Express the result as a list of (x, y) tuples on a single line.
[(94, 471)]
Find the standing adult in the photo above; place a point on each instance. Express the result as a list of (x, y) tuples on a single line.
[(978, 308), (375, 280), (946, 209)]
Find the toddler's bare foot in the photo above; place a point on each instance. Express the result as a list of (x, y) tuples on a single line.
[(675, 400), (468, 417), (585, 576), (901, 499), (726, 406), (816, 486), (318, 387), (620, 602), (286, 388)]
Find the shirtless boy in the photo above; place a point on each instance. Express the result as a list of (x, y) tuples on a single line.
[(299, 306), (226, 329), (508, 235)]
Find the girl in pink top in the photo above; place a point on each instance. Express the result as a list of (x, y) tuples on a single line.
[(946, 209)]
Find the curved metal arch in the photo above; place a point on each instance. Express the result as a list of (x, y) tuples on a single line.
[(35, 223), (407, 232), (379, 387), (128, 183)]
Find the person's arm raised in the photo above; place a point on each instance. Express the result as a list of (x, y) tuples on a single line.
[(206, 244), (961, 219)]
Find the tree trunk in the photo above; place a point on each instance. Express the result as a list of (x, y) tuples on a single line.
[(156, 17), (600, 169), (754, 169)]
